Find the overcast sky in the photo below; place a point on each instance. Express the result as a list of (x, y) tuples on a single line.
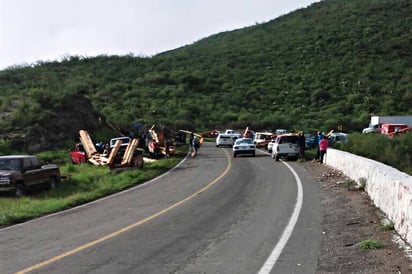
[(48, 30)]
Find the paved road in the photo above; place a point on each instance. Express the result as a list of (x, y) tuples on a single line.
[(214, 214)]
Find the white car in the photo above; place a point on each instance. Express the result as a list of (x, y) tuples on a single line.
[(226, 139), (285, 145), (244, 146)]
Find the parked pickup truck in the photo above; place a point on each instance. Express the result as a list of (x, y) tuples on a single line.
[(21, 173)]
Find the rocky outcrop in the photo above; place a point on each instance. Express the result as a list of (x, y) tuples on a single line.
[(57, 129)]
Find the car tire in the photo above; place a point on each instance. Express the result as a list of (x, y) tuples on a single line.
[(53, 183), (277, 158), (138, 162), (254, 154), (234, 155), (19, 192)]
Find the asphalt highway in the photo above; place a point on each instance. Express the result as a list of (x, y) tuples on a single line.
[(212, 214)]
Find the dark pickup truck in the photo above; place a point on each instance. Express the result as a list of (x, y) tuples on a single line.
[(21, 173)]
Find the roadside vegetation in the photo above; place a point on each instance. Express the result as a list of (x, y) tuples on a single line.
[(395, 152), (291, 72), (370, 244), (388, 226), (84, 183)]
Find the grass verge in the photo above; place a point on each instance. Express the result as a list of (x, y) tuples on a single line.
[(85, 183)]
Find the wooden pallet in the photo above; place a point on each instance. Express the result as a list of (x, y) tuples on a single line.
[(93, 155), (87, 143), (154, 134), (128, 155), (114, 151)]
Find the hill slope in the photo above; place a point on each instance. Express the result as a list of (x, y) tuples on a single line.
[(332, 64)]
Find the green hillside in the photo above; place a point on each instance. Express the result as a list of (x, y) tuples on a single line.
[(332, 64)]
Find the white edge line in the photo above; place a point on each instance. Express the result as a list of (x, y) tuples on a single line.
[(98, 200), (287, 232)]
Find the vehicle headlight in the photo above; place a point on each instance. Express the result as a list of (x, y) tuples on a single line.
[(5, 179)]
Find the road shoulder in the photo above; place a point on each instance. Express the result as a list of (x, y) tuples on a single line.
[(349, 217)]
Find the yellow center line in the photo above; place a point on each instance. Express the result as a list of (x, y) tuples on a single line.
[(122, 230)]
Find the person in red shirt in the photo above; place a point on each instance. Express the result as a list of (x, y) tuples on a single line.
[(323, 146)]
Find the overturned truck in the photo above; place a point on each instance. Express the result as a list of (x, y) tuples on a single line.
[(124, 153)]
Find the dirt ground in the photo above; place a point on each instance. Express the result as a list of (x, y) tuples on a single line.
[(349, 217)]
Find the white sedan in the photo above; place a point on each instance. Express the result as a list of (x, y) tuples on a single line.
[(244, 146)]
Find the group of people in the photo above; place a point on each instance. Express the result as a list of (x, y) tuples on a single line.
[(321, 144)]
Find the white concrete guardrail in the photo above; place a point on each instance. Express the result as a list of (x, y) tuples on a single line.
[(389, 189)]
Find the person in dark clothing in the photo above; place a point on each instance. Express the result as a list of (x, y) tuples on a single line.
[(195, 146), (319, 137), (192, 136), (302, 145)]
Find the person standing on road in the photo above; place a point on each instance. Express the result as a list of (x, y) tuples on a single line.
[(192, 136), (323, 146), (302, 145), (195, 146)]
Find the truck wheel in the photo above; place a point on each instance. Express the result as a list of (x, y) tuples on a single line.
[(53, 183), (138, 162), (19, 191)]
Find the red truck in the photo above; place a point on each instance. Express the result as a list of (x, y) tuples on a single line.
[(78, 155), (394, 129)]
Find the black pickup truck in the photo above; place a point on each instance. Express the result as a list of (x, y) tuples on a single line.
[(21, 173)]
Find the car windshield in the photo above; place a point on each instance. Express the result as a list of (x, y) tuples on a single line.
[(125, 141), (10, 164), (340, 138), (288, 140), (244, 141)]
